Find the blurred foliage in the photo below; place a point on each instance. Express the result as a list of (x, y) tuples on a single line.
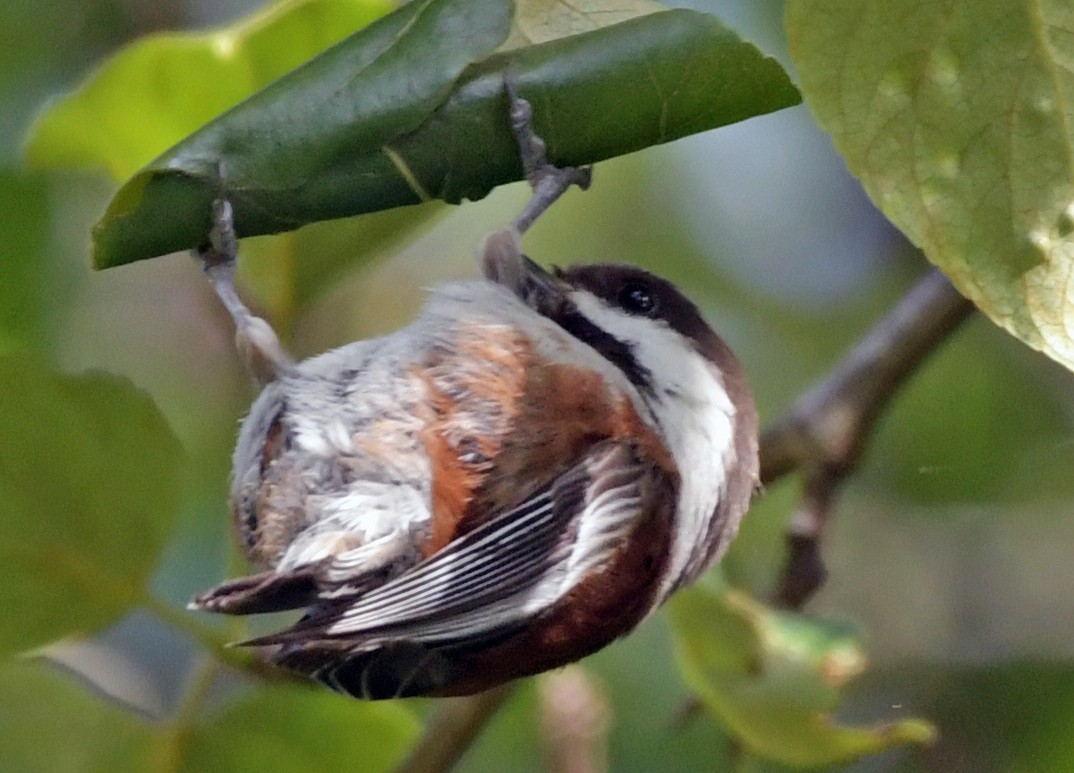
[(24, 222), (48, 724), (183, 80), (774, 677), (957, 119), (90, 510), (951, 555)]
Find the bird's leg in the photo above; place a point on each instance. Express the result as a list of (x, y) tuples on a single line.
[(502, 260), (254, 337), (548, 181)]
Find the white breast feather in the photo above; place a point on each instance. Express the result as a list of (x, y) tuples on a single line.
[(697, 424)]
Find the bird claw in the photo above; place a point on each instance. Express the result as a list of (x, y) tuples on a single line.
[(547, 180), (254, 337)]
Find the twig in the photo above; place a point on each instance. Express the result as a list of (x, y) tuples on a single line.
[(574, 722), (823, 433), (451, 729)]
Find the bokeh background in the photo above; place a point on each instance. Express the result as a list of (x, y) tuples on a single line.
[(951, 549)]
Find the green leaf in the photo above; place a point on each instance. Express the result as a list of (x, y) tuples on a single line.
[(959, 120), (24, 221), (773, 678), (412, 108), (293, 728), (162, 87), (48, 724), (89, 480)]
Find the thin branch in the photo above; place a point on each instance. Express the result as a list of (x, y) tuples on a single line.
[(574, 722), (828, 425), (451, 729), (823, 433)]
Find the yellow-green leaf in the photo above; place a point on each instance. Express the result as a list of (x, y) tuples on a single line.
[(161, 88), (539, 21), (959, 119), (296, 729), (774, 677)]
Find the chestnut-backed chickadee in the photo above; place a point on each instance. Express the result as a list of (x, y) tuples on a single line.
[(506, 485)]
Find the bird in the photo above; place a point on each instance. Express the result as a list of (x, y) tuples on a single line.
[(508, 484)]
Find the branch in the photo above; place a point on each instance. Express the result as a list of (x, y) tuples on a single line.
[(574, 722), (452, 728), (823, 433)]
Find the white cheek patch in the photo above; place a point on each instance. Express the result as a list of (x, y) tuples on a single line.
[(693, 414)]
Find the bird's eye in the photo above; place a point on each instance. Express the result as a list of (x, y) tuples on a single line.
[(637, 298)]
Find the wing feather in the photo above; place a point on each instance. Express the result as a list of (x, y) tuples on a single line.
[(500, 574), (410, 635)]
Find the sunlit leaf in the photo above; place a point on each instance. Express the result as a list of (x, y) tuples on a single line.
[(959, 119), (539, 21), (162, 87), (774, 677), (89, 480)]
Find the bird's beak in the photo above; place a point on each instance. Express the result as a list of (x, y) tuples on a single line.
[(503, 262)]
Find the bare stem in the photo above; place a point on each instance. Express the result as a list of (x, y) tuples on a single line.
[(574, 722), (823, 433), (452, 729)]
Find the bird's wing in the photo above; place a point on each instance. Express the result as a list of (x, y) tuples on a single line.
[(502, 573)]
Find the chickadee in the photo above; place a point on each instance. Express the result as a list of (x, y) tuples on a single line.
[(506, 485)]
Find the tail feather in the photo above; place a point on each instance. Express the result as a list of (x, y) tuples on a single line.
[(398, 669), (264, 592)]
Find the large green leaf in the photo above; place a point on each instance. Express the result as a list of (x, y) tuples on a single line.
[(412, 108), (48, 723), (959, 119), (24, 221), (89, 481), (773, 678), (290, 728), (288, 153)]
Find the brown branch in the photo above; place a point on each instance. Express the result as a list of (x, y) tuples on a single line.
[(823, 433), (451, 729), (574, 722)]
